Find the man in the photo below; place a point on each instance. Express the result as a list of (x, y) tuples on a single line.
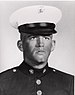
[(36, 25)]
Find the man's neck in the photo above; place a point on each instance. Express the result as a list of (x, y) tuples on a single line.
[(39, 66)]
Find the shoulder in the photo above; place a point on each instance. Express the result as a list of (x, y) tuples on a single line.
[(61, 73), (8, 74), (62, 79), (62, 76)]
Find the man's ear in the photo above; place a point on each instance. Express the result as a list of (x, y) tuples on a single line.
[(53, 45), (20, 45)]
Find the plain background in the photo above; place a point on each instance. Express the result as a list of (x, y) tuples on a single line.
[(62, 58)]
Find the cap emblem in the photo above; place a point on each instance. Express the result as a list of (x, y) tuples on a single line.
[(41, 9)]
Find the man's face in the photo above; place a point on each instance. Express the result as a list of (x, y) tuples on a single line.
[(36, 48)]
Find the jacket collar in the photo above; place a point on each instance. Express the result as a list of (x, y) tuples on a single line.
[(30, 71)]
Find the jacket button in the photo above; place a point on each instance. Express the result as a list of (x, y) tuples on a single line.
[(39, 92), (54, 70), (38, 81), (14, 70)]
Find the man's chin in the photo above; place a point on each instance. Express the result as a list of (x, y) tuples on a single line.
[(40, 59)]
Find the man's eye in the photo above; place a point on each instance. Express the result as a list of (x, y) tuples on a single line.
[(47, 38), (32, 37)]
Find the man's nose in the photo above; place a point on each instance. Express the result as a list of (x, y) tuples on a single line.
[(40, 41)]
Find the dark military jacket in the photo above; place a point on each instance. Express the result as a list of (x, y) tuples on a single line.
[(25, 80)]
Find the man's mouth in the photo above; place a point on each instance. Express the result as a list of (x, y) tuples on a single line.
[(40, 52)]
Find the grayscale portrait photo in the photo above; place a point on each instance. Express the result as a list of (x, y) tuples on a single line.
[(37, 47)]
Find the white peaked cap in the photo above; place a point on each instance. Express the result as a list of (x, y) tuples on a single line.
[(35, 14)]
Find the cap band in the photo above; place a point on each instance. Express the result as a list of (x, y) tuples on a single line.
[(38, 28)]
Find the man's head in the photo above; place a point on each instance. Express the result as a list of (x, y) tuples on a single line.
[(36, 25), (36, 48)]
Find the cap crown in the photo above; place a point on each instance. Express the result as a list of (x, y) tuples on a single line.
[(35, 14)]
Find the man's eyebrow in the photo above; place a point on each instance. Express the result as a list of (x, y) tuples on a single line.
[(26, 35), (29, 35)]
